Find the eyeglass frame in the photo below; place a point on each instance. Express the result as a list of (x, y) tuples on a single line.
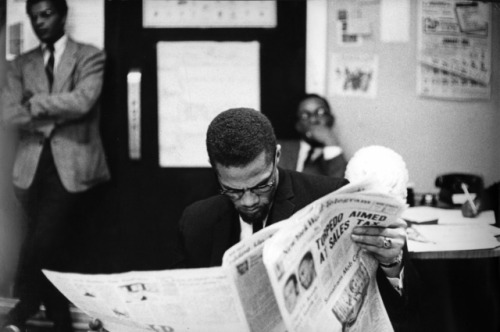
[(319, 112), (228, 191)]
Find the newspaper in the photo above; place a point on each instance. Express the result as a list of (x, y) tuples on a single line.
[(322, 280), (246, 293)]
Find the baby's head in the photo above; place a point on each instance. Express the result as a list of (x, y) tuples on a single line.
[(381, 164)]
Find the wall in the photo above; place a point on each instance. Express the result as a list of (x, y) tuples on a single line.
[(10, 225), (433, 136)]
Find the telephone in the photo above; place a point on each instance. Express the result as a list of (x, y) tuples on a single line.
[(451, 191)]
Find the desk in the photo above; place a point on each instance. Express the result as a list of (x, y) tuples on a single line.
[(461, 287), (450, 235), (457, 254)]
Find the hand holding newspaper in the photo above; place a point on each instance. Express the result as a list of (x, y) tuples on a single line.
[(302, 274)]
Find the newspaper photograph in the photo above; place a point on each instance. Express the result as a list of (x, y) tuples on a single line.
[(321, 279)]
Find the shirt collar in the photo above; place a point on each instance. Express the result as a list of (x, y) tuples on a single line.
[(247, 229), (59, 45)]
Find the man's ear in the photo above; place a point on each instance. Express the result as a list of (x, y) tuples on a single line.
[(278, 153)]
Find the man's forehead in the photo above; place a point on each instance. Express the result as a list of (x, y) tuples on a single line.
[(247, 176), (42, 6), (311, 104)]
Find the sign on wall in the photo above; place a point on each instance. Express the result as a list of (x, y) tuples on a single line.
[(209, 14)]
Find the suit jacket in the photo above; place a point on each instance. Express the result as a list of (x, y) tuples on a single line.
[(211, 226), (331, 167), (72, 109)]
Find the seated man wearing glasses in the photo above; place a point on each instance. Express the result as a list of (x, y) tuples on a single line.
[(243, 152), (318, 151), (256, 193)]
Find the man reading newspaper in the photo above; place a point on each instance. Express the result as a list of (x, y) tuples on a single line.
[(255, 193), (329, 256)]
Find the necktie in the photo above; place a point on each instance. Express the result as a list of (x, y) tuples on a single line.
[(308, 160), (257, 226), (49, 67)]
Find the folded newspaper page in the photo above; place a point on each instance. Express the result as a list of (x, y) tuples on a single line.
[(321, 279), (247, 292), (162, 301)]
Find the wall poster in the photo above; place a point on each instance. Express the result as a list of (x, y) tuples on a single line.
[(196, 81), (454, 49), (353, 75)]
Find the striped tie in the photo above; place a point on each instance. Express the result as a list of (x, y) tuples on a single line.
[(49, 67)]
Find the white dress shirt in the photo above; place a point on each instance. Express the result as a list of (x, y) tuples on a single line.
[(59, 47), (328, 152)]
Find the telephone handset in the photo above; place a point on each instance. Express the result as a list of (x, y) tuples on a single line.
[(451, 187)]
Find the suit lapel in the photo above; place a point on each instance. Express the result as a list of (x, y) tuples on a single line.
[(226, 234), (283, 206), (227, 230), (35, 70), (65, 67)]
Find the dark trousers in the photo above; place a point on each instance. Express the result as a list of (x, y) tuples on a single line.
[(48, 207)]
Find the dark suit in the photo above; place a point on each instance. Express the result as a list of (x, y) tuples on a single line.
[(58, 157), (211, 226), (334, 167)]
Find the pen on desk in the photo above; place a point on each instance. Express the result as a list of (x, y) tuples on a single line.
[(469, 198)]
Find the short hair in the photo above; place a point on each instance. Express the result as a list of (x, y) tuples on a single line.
[(307, 257), (237, 136), (61, 5), (331, 117), (293, 278)]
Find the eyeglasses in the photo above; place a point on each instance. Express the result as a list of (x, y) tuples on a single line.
[(317, 113), (236, 194)]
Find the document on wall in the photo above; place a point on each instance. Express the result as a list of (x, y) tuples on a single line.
[(454, 49), (354, 21), (353, 75), (209, 14), (85, 23), (196, 81), (301, 274)]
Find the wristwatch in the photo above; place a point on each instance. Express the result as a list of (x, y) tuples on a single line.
[(396, 262)]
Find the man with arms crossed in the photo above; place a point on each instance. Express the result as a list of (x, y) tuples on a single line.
[(51, 99), (256, 193)]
